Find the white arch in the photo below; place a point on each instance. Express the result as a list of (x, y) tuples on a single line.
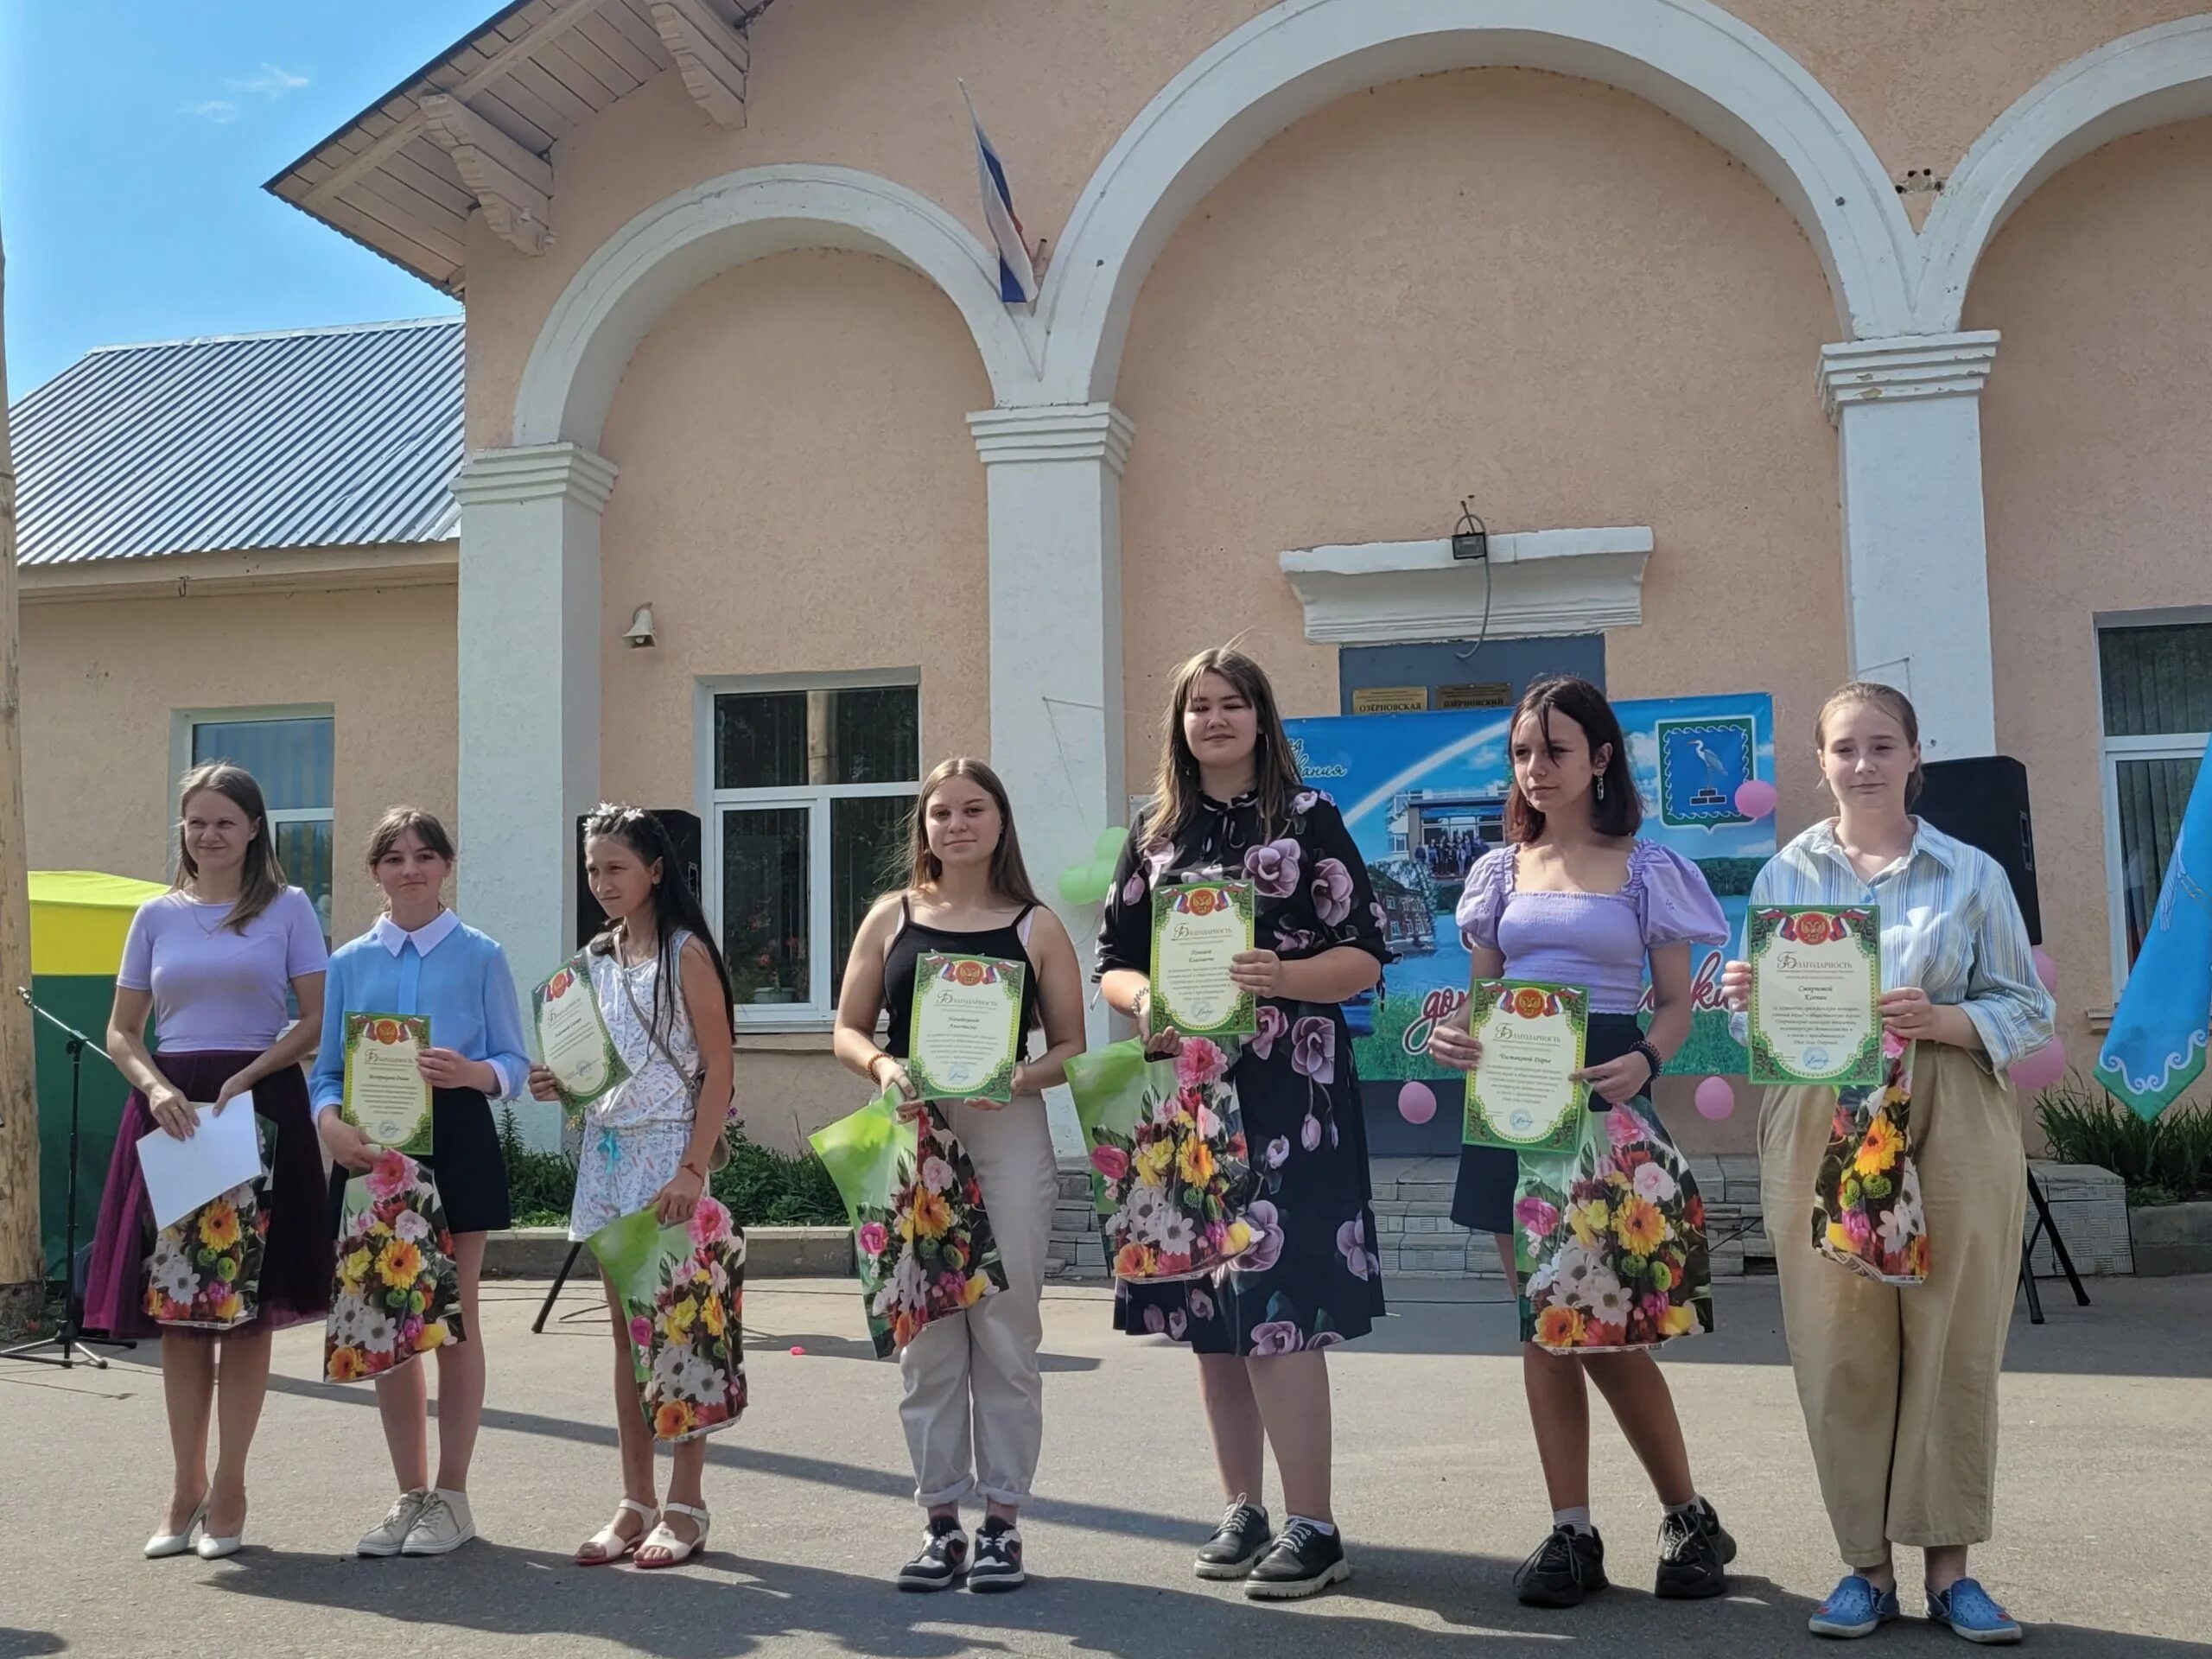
[(1687, 56), (2139, 81), (664, 253)]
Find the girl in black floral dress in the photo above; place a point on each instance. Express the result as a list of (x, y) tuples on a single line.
[(1228, 803)]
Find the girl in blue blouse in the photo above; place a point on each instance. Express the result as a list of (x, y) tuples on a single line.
[(419, 958)]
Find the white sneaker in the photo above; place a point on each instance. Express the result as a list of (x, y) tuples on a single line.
[(443, 1527), (390, 1533)]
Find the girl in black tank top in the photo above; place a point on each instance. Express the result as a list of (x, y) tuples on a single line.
[(973, 1405), (918, 939)]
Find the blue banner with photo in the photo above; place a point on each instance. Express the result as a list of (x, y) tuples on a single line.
[(1424, 796)]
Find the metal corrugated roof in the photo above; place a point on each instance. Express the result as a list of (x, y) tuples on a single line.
[(320, 437)]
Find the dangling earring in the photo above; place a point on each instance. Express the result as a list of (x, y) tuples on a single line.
[(1601, 786)]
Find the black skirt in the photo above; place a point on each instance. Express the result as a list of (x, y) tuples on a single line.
[(1483, 1198), (465, 1161)]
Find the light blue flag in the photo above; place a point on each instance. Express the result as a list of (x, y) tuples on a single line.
[(2156, 1046)]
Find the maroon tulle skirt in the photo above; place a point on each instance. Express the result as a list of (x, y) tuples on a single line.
[(296, 1263)]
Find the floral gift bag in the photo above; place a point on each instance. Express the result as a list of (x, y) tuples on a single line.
[(1867, 1211), (1609, 1241), (683, 1289), (204, 1273), (925, 1244), (1170, 1173), (398, 1293)]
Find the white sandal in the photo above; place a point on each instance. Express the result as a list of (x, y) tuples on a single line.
[(611, 1544), (677, 1549)]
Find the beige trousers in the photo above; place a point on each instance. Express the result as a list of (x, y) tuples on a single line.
[(974, 1410), (1899, 1384)]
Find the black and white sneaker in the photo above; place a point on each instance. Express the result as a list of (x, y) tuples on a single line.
[(1694, 1550), (998, 1559), (1567, 1567), (1240, 1539), (1303, 1561), (943, 1559)]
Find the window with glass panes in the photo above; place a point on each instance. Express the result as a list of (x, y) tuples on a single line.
[(812, 789), (2157, 687), (293, 759)]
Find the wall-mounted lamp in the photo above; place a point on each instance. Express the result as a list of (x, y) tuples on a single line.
[(1470, 536), (641, 635)]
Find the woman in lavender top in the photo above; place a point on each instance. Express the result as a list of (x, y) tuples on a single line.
[(212, 961), (1575, 898)]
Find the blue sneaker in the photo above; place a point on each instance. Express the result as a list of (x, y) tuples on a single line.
[(1971, 1611), (1854, 1608)]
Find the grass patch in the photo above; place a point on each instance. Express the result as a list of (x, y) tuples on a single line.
[(2166, 1161)]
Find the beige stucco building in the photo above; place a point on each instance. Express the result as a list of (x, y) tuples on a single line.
[(1887, 322)]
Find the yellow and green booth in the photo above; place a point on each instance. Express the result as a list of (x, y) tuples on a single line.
[(78, 921)]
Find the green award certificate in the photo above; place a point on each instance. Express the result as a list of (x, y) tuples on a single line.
[(572, 1036), (1522, 1094), (1198, 929), (387, 1097), (1816, 989), (965, 1037)]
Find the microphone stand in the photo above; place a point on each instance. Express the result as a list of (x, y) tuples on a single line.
[(68, 1340)]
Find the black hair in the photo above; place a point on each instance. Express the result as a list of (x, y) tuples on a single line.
[(675, 907)]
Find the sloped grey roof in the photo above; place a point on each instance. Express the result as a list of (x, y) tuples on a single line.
[(320, 437)]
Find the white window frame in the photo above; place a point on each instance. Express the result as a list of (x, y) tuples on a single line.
[(819, 1012), (2156, 746)]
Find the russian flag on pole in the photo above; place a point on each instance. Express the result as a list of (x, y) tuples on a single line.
[(1017, 271)]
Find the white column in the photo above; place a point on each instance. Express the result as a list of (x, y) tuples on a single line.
[(1908, 413), (529, 700), (1055, 477)]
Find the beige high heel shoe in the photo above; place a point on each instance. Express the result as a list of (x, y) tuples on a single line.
[(164, 1544), (212, 1548)]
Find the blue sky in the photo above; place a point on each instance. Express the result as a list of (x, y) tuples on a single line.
[(134, 140)]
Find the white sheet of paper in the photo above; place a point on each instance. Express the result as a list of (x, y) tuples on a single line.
[(181, 1175)]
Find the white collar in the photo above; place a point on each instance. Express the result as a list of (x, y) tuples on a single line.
[(391, 935)]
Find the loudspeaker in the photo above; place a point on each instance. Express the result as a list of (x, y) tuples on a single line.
[(683, 828), (1983, 801)]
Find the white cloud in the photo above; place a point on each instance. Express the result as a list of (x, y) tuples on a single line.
[(272, 81), (221, 110)]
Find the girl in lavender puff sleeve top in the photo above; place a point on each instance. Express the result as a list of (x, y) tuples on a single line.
[(1574, 898)]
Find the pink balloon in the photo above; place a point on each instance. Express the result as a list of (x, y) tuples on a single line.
[(797, 1350), (2046, 969), (1755, 797), (1716, 1099), (1416, 1102), (2041, 1068)]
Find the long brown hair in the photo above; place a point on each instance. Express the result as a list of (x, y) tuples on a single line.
[(1619, 810), (1009, 875), (676, 909), (262, 882), (1274, 770), (1892, 702)]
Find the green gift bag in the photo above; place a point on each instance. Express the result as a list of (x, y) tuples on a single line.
[(1170, 1173), (911, 1191), (683, 1290)]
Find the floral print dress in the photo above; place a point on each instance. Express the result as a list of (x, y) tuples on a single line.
[(1311, 1278)]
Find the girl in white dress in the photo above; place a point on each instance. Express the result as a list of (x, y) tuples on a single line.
[(651, 1141)]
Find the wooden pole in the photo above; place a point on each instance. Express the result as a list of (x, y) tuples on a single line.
[(22, 1256)]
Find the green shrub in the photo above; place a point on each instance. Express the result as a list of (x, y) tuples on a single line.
[(762, 1187), (2167, 1161), (541, 1186)]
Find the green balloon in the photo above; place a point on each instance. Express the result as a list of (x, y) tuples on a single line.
[(1076, 886), (1110, 843)]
